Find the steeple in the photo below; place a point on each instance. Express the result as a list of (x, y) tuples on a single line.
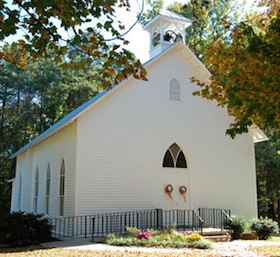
[(165, 29)]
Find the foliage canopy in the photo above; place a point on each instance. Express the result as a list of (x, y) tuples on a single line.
[(246, 72), (61, 25)]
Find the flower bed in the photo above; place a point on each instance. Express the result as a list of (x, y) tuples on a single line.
[(156, 238)]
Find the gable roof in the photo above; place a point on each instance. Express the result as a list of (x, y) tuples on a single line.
[(72, 116), (69, 118)]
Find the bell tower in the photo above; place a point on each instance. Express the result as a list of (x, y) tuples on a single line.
[(165, 29)]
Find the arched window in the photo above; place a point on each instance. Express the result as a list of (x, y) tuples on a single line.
[(19, 192), (174, 90), (156, 38), (48, 189), (174, 157), (62, 189), (36, 191)]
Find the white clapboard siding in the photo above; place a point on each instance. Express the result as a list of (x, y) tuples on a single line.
[(114, 150), (60, 146), (122, 140)]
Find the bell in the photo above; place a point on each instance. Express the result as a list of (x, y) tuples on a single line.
[(170, 36)]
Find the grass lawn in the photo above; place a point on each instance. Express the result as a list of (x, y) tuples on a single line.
[(83, 253), (275, 239), (267, 250), (37, 251)]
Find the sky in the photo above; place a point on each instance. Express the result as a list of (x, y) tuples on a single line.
[(138, 38)]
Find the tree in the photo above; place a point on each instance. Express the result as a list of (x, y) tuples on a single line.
[(245, 72), (30, 102), (155, 6), (45, 24), (268, 179), (211, 20)]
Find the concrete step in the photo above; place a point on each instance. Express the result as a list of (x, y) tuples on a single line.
[(219, 238), (217, 235)]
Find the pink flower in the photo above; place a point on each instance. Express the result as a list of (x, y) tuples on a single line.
[(186, 233), (145, 235)]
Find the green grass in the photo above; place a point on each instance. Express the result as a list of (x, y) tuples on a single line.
[(275, 238)]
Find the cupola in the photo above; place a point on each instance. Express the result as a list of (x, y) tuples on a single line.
[(165, 29)]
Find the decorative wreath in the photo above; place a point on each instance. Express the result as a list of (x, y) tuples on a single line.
[(168, 188), (183, 189)]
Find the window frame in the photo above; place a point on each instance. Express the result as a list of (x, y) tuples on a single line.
[(36, 190), (175, 90), (48, 189), (175, 154), (62, 188), (19, 191)]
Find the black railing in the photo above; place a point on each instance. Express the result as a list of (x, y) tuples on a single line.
[(183, 219), (215, 218), (100, 225), (115, 223), (75, 226)]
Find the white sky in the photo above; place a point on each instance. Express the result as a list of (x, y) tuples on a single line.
[(139, 39)]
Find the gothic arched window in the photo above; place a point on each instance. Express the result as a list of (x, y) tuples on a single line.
[(62, 188), (174, 157), (36, 191), (48, 189)]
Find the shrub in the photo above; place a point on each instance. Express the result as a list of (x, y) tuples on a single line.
[(202, 244), (264, 227), (237, 225), (154, 232), (110, 236), (132, 231), (22, 229)]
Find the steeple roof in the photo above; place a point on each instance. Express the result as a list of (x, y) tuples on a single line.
[(170, 17)]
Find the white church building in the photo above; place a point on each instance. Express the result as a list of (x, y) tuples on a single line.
[(142, 145)]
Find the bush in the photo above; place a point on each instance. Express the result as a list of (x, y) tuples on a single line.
[(237, 225), (132, 231), (202, 244), (22, 229), (264, 227)]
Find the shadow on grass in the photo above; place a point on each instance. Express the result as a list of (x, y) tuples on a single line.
[(5, 249), (11, 249)]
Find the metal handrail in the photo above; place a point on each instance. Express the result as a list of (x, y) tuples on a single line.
[(103, 224), (214, 218), (227, 216), (201, 221)]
